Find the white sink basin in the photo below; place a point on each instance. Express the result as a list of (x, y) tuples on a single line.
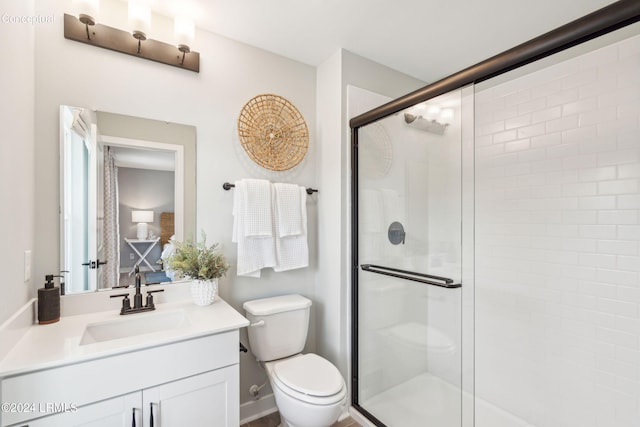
[(133, 325)]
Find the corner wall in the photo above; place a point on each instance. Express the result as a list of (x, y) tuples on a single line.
[(332, 288), (17, 169)]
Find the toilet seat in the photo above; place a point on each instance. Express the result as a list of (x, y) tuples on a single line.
[(309, 378)]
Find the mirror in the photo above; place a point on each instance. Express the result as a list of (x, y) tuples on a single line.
[(127, 186)]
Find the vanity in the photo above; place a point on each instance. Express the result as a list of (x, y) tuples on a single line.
[(175, 366)]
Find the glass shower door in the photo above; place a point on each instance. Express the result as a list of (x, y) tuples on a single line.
[(407, 370)]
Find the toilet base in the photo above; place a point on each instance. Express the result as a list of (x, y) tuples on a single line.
[(294, 413)]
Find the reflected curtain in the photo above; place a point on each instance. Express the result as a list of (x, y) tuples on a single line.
[(111, 225)]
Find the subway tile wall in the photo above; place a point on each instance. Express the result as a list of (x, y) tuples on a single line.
[(558, 242)]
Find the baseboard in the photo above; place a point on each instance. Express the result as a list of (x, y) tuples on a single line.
[(255, 409), (359, 418)]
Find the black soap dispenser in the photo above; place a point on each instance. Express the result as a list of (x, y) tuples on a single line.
[(48, 302)]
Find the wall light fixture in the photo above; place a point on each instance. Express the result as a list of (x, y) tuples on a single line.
[(89, 14), (139, 20), (86, 29), (430, 118)]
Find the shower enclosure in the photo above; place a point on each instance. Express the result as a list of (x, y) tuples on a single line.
[(410, 243), (496, 239)]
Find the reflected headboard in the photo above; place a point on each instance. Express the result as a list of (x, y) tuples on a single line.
[(166, 227)]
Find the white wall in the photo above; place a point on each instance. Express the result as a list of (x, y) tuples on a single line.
[(17, 170), (558, 242), (231, 73), (328, 282), (343, 68)]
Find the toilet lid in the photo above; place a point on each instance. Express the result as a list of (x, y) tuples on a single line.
[(309, 374)]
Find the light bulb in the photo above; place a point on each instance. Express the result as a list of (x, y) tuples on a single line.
[(446, 116), (432, 112), (88, 10), (184, 32), (139, 18)]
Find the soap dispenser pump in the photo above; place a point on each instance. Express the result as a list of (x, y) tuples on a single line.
[(48, 302)]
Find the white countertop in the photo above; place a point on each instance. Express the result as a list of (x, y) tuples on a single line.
[(58, 344)]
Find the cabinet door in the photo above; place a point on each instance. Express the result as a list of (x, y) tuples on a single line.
[(115, 412), (209, 399)]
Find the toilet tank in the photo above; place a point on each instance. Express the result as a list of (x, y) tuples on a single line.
[(278, 326)]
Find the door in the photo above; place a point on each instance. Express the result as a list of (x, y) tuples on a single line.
[(98, 230), (209, 399), (78, 202), (92, 208), (82, 204), (407, 266)]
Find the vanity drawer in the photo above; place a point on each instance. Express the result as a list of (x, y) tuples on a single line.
[(83, 383)]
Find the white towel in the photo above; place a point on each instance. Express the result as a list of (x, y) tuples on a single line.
[(254, 252), (292, 251), (288, 209), (257, 201)]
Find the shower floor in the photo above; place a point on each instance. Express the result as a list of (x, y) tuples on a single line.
[(428, 401), (425, 400)]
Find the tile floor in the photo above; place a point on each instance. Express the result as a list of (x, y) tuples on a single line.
[(273, 420)]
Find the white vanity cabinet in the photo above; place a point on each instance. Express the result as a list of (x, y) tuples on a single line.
[(194, 382), (200, 400), (115, 412)]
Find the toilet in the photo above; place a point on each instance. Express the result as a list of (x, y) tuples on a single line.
[(309, 390)]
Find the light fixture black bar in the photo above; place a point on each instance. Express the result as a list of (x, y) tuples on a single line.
[(123, 41), (228, 186), (427, 279), (602, 21)]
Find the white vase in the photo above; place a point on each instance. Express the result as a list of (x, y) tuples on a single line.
[(204, 291)]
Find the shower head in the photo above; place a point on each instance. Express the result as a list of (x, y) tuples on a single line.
[(409, 118)]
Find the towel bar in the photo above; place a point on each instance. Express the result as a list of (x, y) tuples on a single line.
[(428, 279), (228, 186)]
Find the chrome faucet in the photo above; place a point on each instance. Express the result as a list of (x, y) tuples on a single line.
[(137, 298)]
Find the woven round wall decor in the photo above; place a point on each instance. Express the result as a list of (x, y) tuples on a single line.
[(273, 132)]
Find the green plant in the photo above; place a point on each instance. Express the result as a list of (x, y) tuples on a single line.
[(197, 261)]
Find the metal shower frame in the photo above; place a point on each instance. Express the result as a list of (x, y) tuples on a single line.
[(610, 18)]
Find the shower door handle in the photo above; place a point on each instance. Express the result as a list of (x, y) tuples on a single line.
[(428, 279)]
